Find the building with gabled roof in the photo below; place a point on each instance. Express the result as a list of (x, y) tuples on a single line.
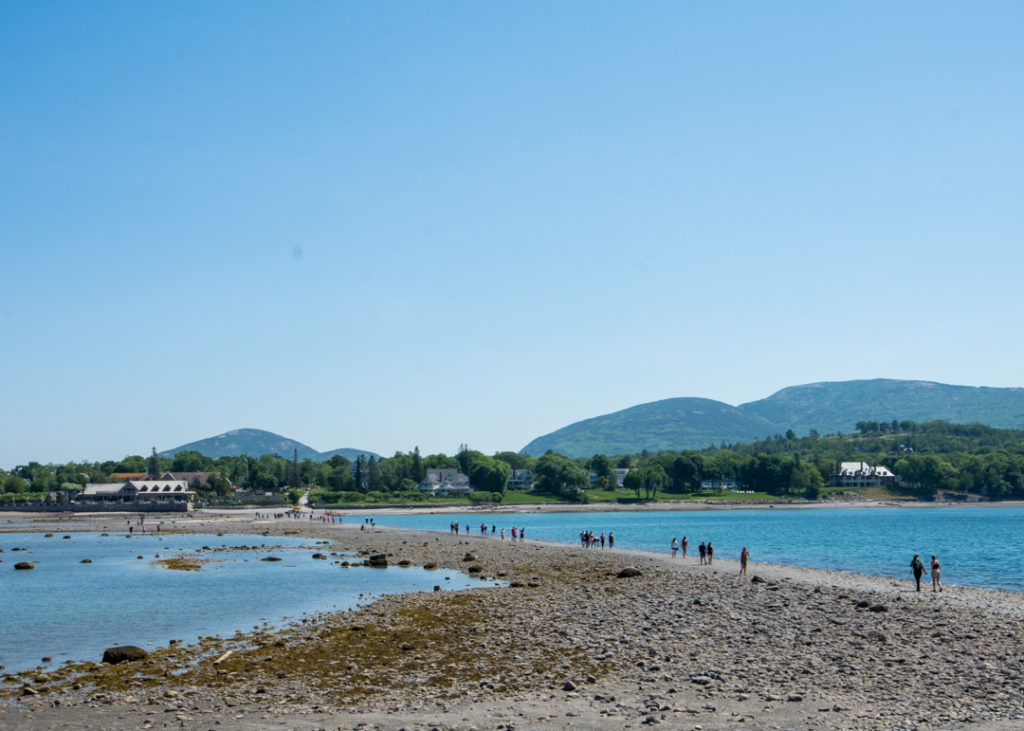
[(861, 474), (445, 482), (137, 491), (194, 479)]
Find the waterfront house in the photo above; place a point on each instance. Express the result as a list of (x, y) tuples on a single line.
[(137, 491), (861, 474), (520, 480), (718, 484), (445, 482)]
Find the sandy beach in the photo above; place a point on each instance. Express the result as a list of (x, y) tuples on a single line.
[(570, 642)]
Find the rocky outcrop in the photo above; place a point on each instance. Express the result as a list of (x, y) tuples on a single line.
[(123, 653)]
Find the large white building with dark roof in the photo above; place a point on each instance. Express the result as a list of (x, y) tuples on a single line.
[(137, 491)]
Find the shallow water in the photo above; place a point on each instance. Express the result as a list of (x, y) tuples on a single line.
[(977, 546), (73, 611)]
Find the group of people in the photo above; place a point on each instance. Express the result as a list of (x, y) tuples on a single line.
[(706, 552), (142, 526), (589, 540), (917, 567), (518, 534)]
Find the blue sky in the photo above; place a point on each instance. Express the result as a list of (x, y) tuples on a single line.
[(389, 225)]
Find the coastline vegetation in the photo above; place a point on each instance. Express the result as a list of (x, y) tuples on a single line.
[(929, 458)]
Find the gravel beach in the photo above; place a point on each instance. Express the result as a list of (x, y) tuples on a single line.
[(578, 638)]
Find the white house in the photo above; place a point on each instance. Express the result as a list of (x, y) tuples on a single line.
[(861, 474), (718, 484), (445, 482)]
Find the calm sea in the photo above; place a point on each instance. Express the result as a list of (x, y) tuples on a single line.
[(978, 546), (68, 610)]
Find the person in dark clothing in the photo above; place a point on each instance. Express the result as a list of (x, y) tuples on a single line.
[(917, 566)]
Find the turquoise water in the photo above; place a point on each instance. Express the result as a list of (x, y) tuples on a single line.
[(977, 546), (72, 611)]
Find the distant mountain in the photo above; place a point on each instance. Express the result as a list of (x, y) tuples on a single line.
[(675, 423), (837, 406), (346, 452), (254, 442), (695, 423)]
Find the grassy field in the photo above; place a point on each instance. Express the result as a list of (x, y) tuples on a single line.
[(515, 497)]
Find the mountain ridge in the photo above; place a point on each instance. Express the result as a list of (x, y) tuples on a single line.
[(255, 442), (826, 406)]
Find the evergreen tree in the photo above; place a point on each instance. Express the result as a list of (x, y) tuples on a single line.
[(418, 471), (154, 465)]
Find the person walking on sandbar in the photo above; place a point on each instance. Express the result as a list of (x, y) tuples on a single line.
[(917, 566), (936, 574), (744, 555)]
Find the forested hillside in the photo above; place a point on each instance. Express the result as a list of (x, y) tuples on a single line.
[(257, 441), (824, 408), (835, 407), (674, 423)]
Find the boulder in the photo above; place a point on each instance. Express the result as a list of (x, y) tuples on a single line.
[(124, 653), (24, 565), (628, 572), (379, 560)]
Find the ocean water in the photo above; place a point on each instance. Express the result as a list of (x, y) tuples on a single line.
[(72, 611), (977, 546)]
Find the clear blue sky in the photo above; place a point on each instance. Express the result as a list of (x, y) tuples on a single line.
[(389, 225)]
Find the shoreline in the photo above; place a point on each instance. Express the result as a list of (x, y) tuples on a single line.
[(679, 643), (218, 519)]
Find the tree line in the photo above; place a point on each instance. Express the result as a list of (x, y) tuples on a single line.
[(928, 457)]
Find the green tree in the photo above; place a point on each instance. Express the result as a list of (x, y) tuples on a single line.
[(360, 473), (218, 484), (153, 466), (634, 480), (686, 472), (601, 466), (513, 459), (418, 470), (15, 485), (131, 463), (559, 475), (488, 474), (654, 479), (374, 476), (191, 461)]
